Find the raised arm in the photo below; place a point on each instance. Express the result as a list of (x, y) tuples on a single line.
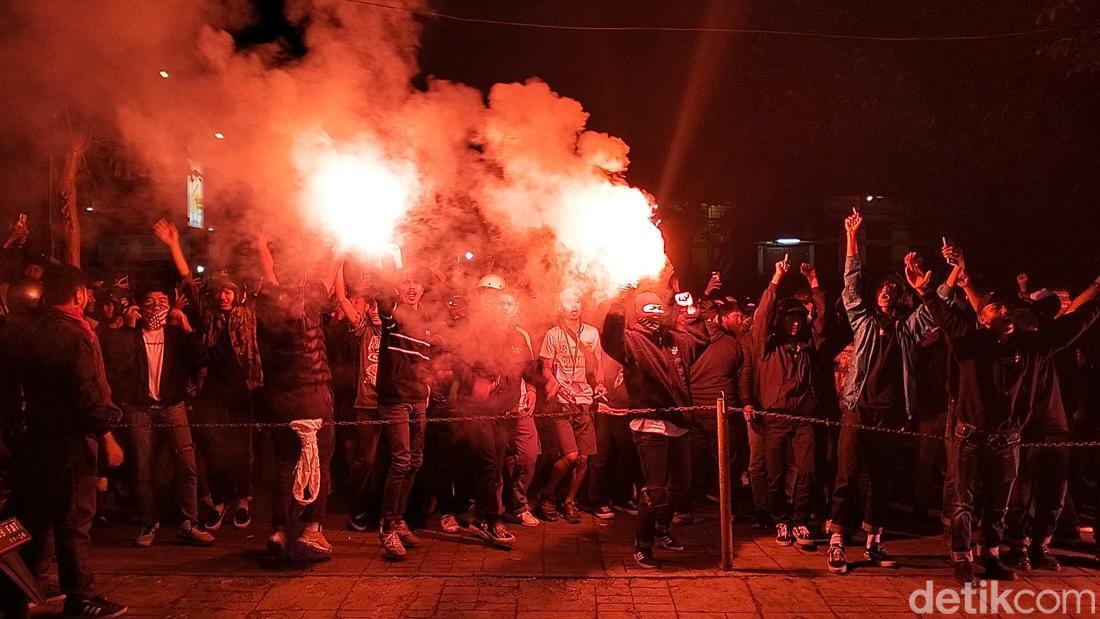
[(168, 234), (1065, 330), (852, 295), (765, 310), (340, 289), (1087, 295), (613, 334), (818, 298), (267, 262)]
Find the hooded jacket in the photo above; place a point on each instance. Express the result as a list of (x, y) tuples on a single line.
[(785, 373), (650, 362)]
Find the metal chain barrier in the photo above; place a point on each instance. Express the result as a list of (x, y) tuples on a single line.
[(617, 412)]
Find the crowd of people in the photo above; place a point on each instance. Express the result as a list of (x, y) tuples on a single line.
[(469, 422)]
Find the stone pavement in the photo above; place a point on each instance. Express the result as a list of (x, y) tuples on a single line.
[(555, 570)]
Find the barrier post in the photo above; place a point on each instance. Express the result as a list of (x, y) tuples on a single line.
[(725, 501)]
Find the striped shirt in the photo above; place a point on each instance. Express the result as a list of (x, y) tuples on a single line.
[(404, 360)]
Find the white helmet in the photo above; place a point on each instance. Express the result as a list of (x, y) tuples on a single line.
[(492, 281)]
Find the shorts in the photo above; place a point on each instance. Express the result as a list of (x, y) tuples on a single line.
[(574, 434)]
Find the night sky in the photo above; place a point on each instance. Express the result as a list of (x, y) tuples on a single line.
[(988, 141)]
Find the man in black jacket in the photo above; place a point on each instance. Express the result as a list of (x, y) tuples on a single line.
[(157, 361), (655, 372), (997, 370), (785, 372), (69, 413)]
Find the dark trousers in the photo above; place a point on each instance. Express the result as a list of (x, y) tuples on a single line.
[(365, 476), (143, 439), (310, 402), (930, 459), (1039, 493), (614, 469), (226, 452), (666, 474), (783, 436), (483, 445), (992, 467), (54, 497), (406, 442), (757, 464), (865, 460)]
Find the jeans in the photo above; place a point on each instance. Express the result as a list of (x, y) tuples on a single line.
[(364, 472), (226, 452), (666, 475), (930, 458), (1039, 493), (757, 467), (614, 468), (991, 466), (143, 437), (781, 435), (406, 442), (483, 446), (306, 402), (54, 491), (522, 457), (865, 460)]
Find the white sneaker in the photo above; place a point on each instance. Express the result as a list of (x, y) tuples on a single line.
[(147, 535), (449, 525), (392, 546)]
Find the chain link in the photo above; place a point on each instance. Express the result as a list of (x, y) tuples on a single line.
[(616, 412)]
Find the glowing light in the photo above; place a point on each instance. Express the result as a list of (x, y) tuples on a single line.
[(200, 269), (356, 193), (163, 74), (209, 229), (218, 135), (870, 198), (788, 241), (468, 255), (89, 209)]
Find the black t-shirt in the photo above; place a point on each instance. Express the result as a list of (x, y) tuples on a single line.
[(885, 386), (224, 368)]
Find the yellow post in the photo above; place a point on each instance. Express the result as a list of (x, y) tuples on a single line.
[(725, 501)]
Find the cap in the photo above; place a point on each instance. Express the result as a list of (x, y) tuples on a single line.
[(492, 281)]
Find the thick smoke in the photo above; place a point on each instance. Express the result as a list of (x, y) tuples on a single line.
[(336, 144)]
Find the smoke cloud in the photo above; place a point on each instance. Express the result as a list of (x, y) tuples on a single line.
[(334, 143)]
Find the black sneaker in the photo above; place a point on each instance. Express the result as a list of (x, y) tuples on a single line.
[(643, 557), (1043, 559), (876, 554), (549, 511), (603, 512), (570, 512), (92, 607), (964, 571), (803, 538), (630, 508), (667, 541), (995, 570), (1017, 558), (837, 559), (783, 535), (359, 522), (242, 518), (495, 534), (213, 520), (761, 520)]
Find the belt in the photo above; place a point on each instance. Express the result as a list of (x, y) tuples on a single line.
[(971, 433)]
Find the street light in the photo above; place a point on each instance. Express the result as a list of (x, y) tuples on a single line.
[(218, 135), (163, 74), (788, 241)]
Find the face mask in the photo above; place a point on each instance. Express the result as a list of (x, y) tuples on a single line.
[(649, 324), (154, 318)]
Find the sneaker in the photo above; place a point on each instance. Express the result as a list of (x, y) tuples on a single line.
[(667, 541), (1017, 558), (837, 559), (392, 546), (214, 520), (194, 535), (570, 512), (276, 544), (686, 518), (603, 512), (630, 507), (525, 518), (964, 571), (495, 534), (802, 537), (92, 607), (1043, 559), (242, 518), (783, 535), (643, 557), (449, 525), (147, 535), (314, 541), (359, 522), (549, 511), (408, 538), (876, 553), (995, 570)]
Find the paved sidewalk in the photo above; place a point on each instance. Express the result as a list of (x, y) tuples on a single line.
[(557, 570)]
